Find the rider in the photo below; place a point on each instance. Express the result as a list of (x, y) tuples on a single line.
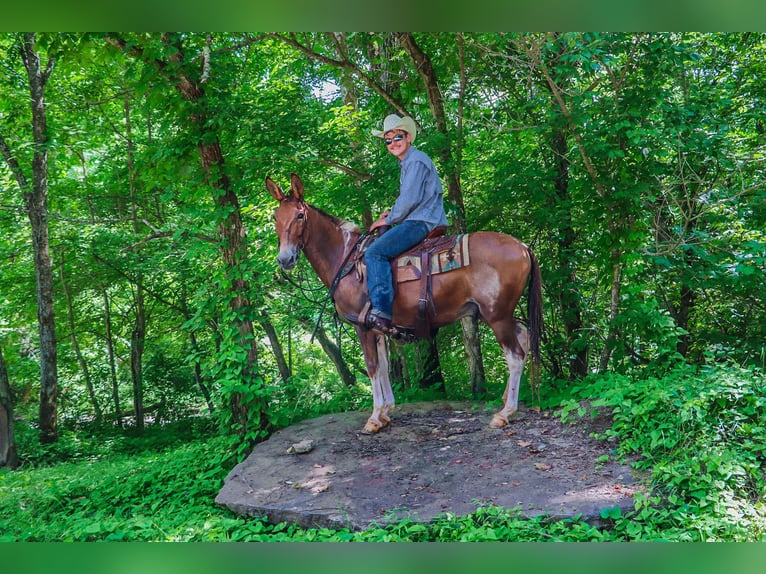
[(417, 211)]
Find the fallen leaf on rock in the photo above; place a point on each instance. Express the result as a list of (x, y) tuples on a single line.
[(318, 489), (510, 433), (543, 466), (524, 443)]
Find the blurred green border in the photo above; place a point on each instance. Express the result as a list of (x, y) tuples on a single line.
[(381, 558), (367, 15)]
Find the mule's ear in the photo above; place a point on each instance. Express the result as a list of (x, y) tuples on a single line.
[(274, 189), (297, 186)]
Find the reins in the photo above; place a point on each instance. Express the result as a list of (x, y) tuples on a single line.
[(345, 267)]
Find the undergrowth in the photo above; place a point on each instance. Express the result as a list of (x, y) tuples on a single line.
[(698, 433), (701, 434)]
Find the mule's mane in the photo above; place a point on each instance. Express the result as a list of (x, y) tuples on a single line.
[(337, 221)]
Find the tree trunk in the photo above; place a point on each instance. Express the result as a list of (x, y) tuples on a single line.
[(37, 205), (569, 296), (688, 301), (8, 455), (198, 372), (428, 355), (232, 233), (137, 344), (436, 103), (76, 346), (473, 356), (138, 335), (614, 309), (36, 200), (276, 346), (231, 230), (112, 360), (333, 352)]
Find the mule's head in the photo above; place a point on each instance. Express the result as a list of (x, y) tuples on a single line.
[(290, 218)]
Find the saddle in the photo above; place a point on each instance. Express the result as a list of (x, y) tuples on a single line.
[(437, 253)]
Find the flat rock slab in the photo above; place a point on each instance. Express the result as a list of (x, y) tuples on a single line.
[(433, 458)]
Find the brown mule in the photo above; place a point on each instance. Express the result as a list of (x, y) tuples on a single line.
[(489, 288)]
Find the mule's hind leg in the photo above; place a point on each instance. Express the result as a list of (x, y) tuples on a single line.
[(375, 350), (515, 348)]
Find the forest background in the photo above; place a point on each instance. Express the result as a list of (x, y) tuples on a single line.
[(139, 285)]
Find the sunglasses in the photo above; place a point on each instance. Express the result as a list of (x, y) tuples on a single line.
[(396, 138)]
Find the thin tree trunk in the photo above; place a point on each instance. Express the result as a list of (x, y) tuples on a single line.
[(112, 359), (8, 455), (76, 345), (472, 346), (432, 378), (614, 309), (333, 352), (398, 373), (198, 372), (276, 346), (137, 344), (569, 297), (138, 335)]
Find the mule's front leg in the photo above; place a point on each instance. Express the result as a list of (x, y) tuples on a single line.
[(375, 350)]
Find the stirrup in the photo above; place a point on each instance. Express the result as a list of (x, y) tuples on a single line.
[(381, 325)]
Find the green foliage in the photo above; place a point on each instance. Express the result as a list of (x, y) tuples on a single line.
[(700, 434), (696, 436), (140, 490)]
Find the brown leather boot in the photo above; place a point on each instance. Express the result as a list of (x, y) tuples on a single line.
[(381, 325)]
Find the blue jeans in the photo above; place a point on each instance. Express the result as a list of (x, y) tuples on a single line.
[(378, 258)]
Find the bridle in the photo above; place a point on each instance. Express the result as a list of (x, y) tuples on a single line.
[(302, 216)]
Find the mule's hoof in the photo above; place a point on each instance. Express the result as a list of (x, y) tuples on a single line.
[(373, 427), (498, 421)]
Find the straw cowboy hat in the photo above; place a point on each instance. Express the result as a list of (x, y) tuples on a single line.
[(394, 122)]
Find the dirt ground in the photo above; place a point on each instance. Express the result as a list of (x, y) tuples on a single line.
[(433, 458)]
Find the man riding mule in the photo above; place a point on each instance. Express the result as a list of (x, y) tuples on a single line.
[(418, 211), (500, 269)]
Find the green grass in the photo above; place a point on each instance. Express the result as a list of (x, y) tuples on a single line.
[(699, 434)]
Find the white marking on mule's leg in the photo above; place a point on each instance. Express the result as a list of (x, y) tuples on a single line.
[(515, 368), (382, 393)]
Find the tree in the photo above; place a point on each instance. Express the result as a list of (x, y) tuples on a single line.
[(248, 411), (35, 196), (8, 455)]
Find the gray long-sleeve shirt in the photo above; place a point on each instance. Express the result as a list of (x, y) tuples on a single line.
[(420, 192)]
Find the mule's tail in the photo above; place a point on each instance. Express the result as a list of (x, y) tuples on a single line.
[(535, 310)]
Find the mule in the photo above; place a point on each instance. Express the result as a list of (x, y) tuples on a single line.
[(489, 288)]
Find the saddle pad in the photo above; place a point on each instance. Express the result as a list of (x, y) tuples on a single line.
[(449, 253)]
